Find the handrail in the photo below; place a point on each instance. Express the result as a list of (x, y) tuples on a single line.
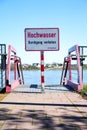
[(78, 57), (17, 69)]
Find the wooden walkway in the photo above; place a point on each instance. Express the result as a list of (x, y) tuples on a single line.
[(52, 110)]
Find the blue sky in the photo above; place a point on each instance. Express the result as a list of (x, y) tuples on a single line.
[(70, 16)]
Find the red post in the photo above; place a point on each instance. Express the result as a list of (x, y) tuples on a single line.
[(70, 69), (42, 70), (79, 68)]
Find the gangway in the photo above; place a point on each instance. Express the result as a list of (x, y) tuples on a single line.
[(77, 54)]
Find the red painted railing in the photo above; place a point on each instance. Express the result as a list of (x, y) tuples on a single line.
[(18, 79), (68, 68)]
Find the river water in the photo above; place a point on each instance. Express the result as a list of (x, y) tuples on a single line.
[(52, 77)]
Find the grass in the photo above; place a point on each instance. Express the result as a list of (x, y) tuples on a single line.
[(85, 87), (2, 96), (84, 91)]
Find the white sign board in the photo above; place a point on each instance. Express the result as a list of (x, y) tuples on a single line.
[(41, 39)]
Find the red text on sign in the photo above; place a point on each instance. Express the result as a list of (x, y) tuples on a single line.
[(41, 35)]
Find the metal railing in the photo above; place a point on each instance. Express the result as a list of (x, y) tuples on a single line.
[(2, 66), (67, 66)]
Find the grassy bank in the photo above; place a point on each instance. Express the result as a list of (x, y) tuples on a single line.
[(84, 91)]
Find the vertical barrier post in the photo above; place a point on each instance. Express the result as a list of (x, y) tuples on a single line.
[(42, 70), (79, 68), (15, 64), (70, 69), (8, 65)]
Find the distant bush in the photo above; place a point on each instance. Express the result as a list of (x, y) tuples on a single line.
[(31, 68)]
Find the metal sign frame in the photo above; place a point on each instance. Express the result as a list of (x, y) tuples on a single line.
[(42, 39)]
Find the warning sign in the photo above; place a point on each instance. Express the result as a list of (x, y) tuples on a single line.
[(41, 39)]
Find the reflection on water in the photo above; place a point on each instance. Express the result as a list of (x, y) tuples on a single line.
[(51, 76)]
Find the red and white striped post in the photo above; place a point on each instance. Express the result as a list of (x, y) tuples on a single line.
[(42, 70)]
